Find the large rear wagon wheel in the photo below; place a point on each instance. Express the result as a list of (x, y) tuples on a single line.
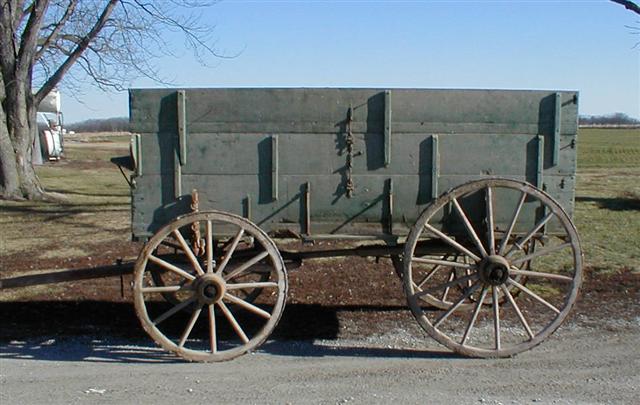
[(210, 317), (489, 225)]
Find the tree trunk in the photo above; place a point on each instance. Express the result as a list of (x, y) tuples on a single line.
[(9, 186), (18, 128)]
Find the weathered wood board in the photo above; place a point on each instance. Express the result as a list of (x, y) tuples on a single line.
[(259, 152)]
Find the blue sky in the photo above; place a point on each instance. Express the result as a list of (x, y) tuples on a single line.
[(564, 45)]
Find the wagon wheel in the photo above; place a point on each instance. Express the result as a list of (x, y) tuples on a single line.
[(171, 249), (493, 240), (210, 319)]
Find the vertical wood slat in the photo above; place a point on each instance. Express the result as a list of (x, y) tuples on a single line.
[(557, 128), (274, 167), (247, 207), (181, 158), (390, 206), (137, 153), (435, 166), (182, 127), (177, 179), (307, 208), (387, 128), (540, 165)]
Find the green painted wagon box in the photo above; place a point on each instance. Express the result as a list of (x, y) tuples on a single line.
[(344, 161)]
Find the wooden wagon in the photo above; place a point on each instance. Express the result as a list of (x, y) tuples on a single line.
[(469, 192)]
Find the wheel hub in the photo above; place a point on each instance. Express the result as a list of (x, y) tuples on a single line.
[(494, 270), (210, 288)]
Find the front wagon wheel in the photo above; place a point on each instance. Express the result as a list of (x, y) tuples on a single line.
[(210, 316), (490, 226)]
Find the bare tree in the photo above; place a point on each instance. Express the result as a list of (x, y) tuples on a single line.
[(106, 42)]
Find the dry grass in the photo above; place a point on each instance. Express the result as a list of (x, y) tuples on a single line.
[(96, 208)]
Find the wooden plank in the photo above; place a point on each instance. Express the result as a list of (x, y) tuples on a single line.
[(328, 203), (323, 110), (325, 154)]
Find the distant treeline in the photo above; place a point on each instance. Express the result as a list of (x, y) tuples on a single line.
[(617, 119), (121, 124), (115, 124)]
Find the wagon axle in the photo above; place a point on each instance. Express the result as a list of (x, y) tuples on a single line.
[(210, 288), (494, 270)]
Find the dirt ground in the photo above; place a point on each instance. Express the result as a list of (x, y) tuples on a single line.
[(346, 335)]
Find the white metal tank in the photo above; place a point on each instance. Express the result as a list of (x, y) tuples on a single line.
[(51, 103)]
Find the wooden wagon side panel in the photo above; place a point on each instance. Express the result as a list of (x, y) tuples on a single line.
[(280, 156)]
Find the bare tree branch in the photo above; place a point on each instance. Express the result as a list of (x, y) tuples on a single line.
[(30, 35), (57, 27), (629, 5), (80, 48)]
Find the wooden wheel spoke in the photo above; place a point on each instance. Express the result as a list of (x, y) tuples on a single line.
[(551, 276), (490, 224), (228, 254), (542, 252), (452, 242), (175, 309), (213, 341), (209, 242), (428, 276), (243, 267), (171, 267), (234, 324), (442, 263), (189, 328), (456, 281), (187, 250), (241, 286), (445, 293), (514, 219), (469, 227), (533, 295), (457, 304), (249, 307), (476, 311), (519, 245), (496, 316), (523, 321)]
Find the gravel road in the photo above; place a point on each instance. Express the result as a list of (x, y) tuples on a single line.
[(584, 362)]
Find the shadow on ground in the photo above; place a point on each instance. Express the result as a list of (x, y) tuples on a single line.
[(613, 204), (98, 331)]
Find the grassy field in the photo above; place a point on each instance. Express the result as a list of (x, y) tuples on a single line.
[(97, 214), (608, 198), (95, 210), (608, 148)]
